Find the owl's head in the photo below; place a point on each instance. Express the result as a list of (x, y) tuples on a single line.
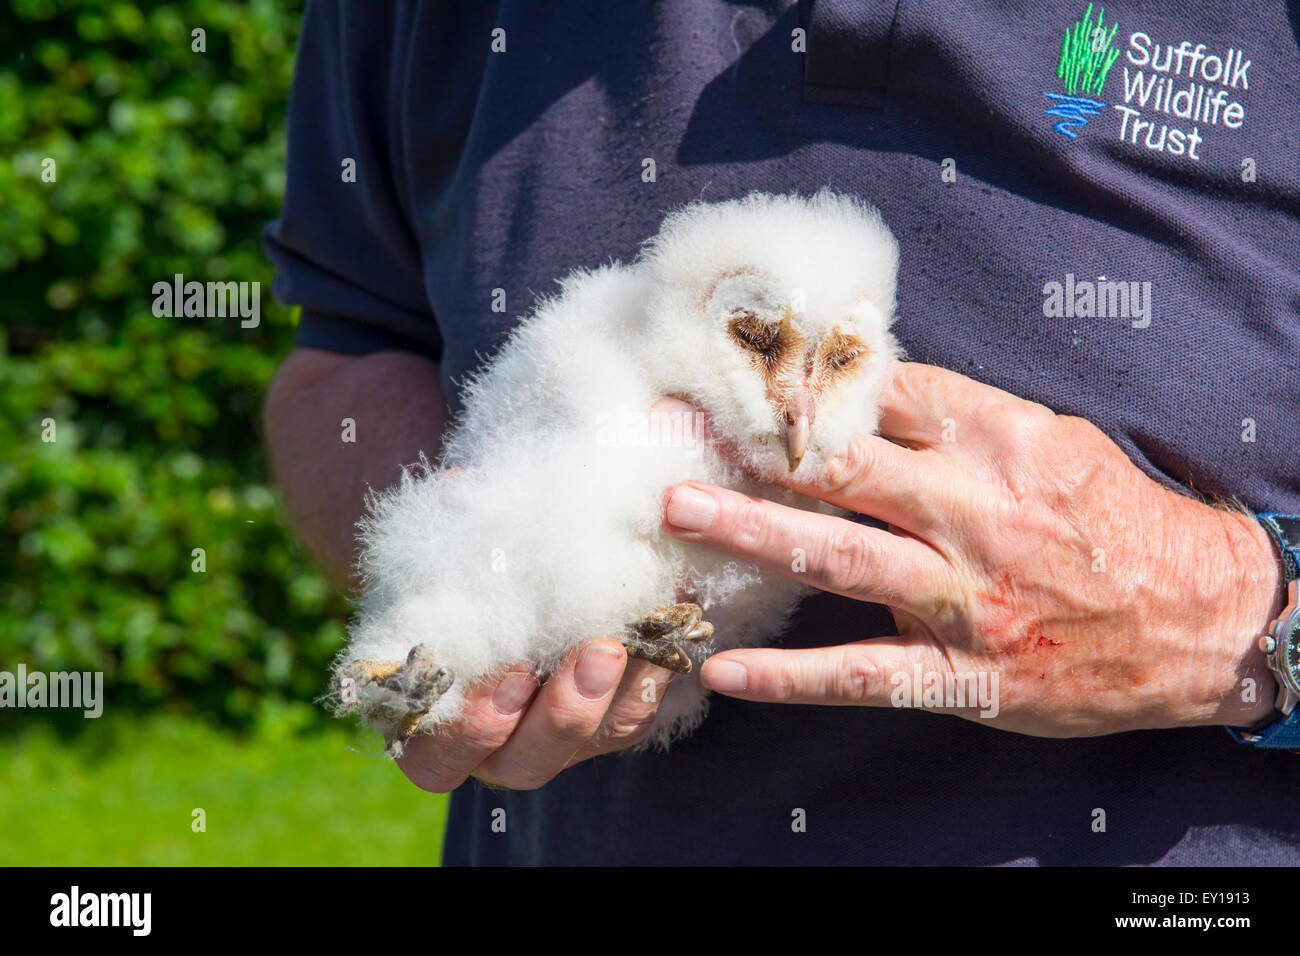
[(772, 314)]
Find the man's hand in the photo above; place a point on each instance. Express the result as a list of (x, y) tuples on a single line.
[(514, 735), (1021, 544), (511, 734)]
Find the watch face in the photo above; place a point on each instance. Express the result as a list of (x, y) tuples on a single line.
[(1288, 650)]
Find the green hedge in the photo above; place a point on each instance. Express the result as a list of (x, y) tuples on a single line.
[(167, 161)]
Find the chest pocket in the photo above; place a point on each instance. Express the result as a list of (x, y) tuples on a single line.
[(846, 60)]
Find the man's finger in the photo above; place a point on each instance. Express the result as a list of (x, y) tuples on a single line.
[(864, 673), (913, 490), (563, 716), (441, 762), (631, 713), (823, 551), (931, 407)]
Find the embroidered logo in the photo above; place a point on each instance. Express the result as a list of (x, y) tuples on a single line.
[(1170, 92), (1087, 54)]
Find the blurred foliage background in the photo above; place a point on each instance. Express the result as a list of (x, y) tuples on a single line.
[(166, 160)]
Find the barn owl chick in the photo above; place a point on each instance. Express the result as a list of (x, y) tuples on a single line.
[(540, 526)]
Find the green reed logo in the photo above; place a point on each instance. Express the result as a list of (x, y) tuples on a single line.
[(1087, 54)]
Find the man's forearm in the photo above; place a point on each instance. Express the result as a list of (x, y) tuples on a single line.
[(397, 409)]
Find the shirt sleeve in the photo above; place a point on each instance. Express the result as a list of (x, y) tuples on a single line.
[(347, 251)]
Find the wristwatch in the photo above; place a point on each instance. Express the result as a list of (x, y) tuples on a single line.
[(1281, 730)]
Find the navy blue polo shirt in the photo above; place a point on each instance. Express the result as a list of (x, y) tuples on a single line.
[(1096, 211)]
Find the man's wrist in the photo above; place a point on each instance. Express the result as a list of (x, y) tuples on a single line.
[(1255, 597)]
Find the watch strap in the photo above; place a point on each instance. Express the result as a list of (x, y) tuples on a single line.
[(1281, 734), (1285, 532)]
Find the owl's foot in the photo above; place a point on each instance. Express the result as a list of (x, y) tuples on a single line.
[(392, 696), (658, 636)]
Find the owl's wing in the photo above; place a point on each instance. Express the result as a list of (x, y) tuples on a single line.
[(574, 357)]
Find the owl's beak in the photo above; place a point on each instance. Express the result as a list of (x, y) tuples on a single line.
[(798, 425), (796, 440)]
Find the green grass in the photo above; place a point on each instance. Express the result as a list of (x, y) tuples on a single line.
[(123, 794)]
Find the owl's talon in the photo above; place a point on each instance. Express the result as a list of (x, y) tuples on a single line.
[(700, 632), (393, 696), (658, 636)]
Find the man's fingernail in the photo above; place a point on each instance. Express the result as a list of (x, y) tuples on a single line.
[(726, 677), (514, 691), (691, 509), (598, 670)]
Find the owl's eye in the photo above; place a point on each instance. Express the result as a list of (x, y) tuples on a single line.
[(842, 358), (841, 352), (753, 333)]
